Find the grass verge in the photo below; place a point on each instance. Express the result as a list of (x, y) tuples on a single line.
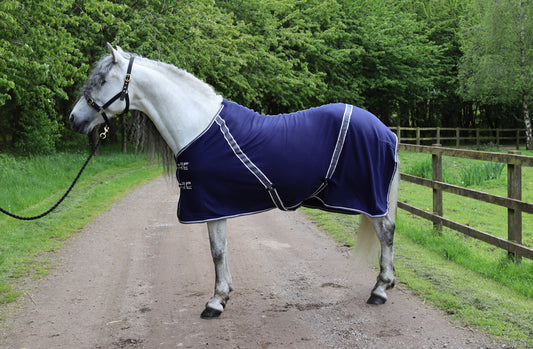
[(482, 292), (465, 295), (31, 185), (473, 282)]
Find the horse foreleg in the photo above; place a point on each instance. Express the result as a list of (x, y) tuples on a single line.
[(223, 283), (384, 228)]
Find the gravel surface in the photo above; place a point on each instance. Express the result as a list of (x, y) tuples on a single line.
[(136, 278)]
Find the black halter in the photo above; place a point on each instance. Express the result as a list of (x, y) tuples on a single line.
[(101, 110), (122, 95)]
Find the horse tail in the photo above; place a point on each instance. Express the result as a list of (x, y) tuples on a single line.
[(367, 245), (393, 194)]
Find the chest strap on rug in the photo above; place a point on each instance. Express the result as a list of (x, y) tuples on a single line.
[(182, 166), (185, 185), (267, 184)]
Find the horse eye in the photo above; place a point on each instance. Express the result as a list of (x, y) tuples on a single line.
[(103, 82)]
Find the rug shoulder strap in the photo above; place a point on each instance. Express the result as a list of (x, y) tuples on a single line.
[(263, 179), (256, 171), (340, 141)]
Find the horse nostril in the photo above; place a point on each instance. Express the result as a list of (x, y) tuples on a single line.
[(71, 118)]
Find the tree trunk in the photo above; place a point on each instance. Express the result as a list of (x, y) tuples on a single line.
[(123, 131), (525, 111), (93, 139), (527, 121)]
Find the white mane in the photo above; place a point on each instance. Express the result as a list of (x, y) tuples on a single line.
[(181, 74), (141, 130)]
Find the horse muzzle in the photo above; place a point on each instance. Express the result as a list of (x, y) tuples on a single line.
[(80, 126)]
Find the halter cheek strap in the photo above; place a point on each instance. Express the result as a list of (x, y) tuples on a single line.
[(122, 95)]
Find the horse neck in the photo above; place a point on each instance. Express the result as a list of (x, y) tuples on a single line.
[(180, 105)]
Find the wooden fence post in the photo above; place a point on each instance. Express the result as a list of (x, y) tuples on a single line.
[(399, 134), (418, 136), (517, 139), (436, 160), (438, 135), (457, 133), (514, 217)]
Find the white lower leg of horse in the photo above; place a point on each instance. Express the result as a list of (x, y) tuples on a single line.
[(223, 283), (385, 230)]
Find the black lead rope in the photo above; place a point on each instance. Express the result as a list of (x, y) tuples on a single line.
[(100, 139), (123, 94)]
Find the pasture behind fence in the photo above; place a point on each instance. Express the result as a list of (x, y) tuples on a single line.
[(459, 136), (513, 202)]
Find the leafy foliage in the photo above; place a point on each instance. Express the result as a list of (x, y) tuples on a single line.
[(494, 68), (396, 58), (497, 65)]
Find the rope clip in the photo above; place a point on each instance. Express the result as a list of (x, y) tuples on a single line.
[(103, 135)]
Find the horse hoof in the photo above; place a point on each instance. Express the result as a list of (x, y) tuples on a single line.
[(210, 313), (376, 300)]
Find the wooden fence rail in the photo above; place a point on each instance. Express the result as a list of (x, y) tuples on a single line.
[(513, 202), (457, 136)]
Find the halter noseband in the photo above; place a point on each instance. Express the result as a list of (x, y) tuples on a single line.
[(121, 95)]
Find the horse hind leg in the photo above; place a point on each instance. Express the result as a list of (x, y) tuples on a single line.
[(223, 282), (384, 228)]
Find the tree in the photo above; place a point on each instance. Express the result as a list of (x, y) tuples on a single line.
[(276, 43), (443, 105), (497, 66), (397, 64), (395, 58), (39, 65)]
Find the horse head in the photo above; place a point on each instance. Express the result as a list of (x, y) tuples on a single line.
[(99, 97)]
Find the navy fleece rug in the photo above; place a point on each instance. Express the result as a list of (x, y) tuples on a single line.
[(335, 157)]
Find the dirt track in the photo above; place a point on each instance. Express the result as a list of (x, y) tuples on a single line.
[(136, 278)]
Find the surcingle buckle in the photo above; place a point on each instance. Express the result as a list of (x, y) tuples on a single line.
[(183, 166), (185, 185)]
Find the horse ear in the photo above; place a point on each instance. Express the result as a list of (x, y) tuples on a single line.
[(113, 52)]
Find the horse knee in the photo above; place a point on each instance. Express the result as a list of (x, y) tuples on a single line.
[(218, 253)]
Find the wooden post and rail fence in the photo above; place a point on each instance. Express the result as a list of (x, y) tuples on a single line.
[(459, 136), (513, 202)]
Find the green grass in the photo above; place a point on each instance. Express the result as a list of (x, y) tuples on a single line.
[(470, 297), (29, 186), (463, 172), (340, 226), (480, 173), (472, 281), (486, 217)]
